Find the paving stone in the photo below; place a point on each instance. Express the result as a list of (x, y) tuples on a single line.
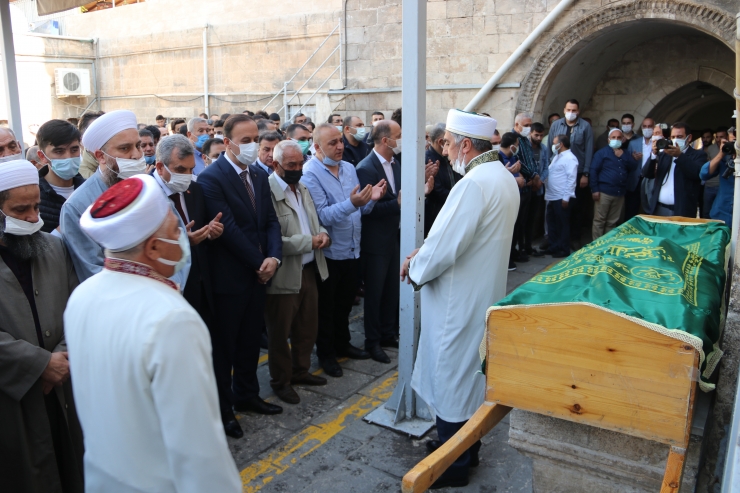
[(351, 476), (296, 416), (345, 386), (259, 436), (372, 367), (390, 452)]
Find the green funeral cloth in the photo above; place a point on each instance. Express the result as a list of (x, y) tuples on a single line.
[(664, 273)]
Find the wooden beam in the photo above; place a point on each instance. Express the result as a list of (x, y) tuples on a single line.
[(673, 470), (426, 472)]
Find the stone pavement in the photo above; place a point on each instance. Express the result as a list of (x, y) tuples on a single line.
[(323, 445)]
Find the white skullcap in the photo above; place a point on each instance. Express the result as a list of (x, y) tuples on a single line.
[(14, 174), (615, 130), (103, 128), (126, 214), (470, 125)]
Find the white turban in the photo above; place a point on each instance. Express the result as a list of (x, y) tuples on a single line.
[(126, 214), (14, 174), (470, 125), (103, 128)]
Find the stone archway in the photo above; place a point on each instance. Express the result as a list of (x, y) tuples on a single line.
[(705, 19)]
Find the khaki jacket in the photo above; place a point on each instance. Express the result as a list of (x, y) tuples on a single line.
[(287, 279), (89, 165)]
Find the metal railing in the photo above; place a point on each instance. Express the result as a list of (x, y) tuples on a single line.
[(285, 89)]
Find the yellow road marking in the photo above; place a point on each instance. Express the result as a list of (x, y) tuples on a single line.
[(257, 475), (262, 359)]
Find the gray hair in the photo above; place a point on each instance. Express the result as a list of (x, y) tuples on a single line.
[(478, 144), (437, 132), (193, 121), (10, 130), (170, 143), (522, 116), (277, 153)]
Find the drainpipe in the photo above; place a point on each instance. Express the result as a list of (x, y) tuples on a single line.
[(205, 70), (736, 203), (534, 36)]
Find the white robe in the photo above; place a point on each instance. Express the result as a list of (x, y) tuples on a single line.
[(462, 267), (145, 389)]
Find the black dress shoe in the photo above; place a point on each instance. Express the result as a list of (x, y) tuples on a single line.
[(287, 394), (308, 379), (331, 367), (231, 425), (449, 483), (538, 253), (352, 352), (378, 354), (257, 405), (389, 343)]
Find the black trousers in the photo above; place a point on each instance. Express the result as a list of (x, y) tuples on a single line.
[(459, 468), (558, 226), (581, 211), (336, 296), (521, 226), (235, 336), (382, 288)]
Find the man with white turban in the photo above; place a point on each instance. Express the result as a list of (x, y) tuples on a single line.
[(144, 381), (40, 437), (115, 143), (462, 268)]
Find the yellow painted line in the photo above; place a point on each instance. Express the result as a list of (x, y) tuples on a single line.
[(262, 359), (259, 474)]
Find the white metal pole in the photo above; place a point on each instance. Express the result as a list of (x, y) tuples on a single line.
[(10, 76), (205, 70)]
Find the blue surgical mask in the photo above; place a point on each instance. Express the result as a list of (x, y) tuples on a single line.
[(66, 169), (327, 160), (184, 244), (680, 143), (150, 159), (615, 143), (201, 140)]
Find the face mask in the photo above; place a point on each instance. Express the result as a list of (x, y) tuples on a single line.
[(361, 133), (496, 147), (247, 153), (615, 144), (555, 148), (201, 140), (184, 245), (647, 132), (304, 145), (514, 150), (66, 169), (327, 160), (150, 159), (571, 115), (656, 137), (525, 132), (340, 128), (219, 136), (129, 167), (376, 122), (291, 177), (10, 158), (396, 150), (626, 129), (680, 143), (19, 227), (179, 182)]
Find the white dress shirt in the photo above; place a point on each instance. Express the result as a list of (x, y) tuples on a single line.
[(239, 171), (647, 151), (295, 200), (561, 182), (388, 171), (666, 195), (169, 192)]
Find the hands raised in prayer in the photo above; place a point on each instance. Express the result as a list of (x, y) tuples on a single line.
[(431, 169), (514, 168)]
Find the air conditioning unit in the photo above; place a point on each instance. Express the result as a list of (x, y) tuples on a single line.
[(72, 82)]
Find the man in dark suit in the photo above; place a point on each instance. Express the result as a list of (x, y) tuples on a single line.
[(676, 171), (242, 261), (444, 180), (380, 241)]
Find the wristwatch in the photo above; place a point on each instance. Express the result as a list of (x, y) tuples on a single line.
[(277, 260), (585, 174)]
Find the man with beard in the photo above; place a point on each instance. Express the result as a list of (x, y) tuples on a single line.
[(40, 438), (114, 142)]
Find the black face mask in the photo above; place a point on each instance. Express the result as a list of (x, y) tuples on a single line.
[(291, 177)]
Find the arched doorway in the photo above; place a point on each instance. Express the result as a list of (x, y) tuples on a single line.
[(700, 104), (630, 56)]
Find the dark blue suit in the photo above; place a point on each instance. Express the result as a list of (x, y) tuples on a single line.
[(234, 258), (686, 182), (380, 253)]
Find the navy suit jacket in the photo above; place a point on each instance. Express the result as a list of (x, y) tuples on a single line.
[(380, 228), (248, 238), (686, 182)]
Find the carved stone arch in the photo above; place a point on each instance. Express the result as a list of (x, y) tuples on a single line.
[(707, 19)]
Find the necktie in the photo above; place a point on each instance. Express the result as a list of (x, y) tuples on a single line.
[(243, 176), (175, 198)]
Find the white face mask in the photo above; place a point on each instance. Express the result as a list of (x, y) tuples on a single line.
[(626, 129), (129, 167), (247, 153), (496, 147), (571, 115), (340, 128), (525, 132), (360, 133), (396, 150), (555, 148), (14, 157), (179, 182), (647, 132), (184, 245), (19, 227)]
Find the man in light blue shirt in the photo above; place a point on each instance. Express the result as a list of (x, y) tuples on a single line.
[(335, 190), (198, 135)]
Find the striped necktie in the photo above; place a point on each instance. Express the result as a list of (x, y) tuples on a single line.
[(243, 176)]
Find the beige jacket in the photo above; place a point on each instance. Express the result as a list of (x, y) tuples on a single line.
[(287, 279), (89, 165)]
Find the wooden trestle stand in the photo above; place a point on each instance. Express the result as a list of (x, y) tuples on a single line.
[(583, 364)]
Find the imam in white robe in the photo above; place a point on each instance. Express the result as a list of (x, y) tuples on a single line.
[(462, 269), (145, 389)]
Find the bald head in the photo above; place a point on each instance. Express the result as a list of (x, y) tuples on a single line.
[(327, 141)]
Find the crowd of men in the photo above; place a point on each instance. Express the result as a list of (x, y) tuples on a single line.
[(194, 243)]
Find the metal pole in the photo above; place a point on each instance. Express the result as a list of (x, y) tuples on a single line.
[(405, 411), (285, 101), (10, 76), (205, 70), (341, 53)]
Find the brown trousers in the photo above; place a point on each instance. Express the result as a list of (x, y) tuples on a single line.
[(294, 316), (607, 212)]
